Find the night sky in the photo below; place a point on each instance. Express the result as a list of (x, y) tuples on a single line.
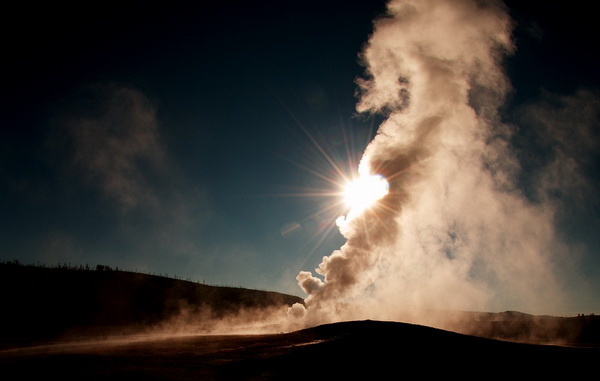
[(200, 140)]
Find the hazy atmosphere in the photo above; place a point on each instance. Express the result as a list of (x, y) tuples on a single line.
[(215, 142)]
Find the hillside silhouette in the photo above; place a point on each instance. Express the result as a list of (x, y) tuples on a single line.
[(44, 302), (41, 302), (581, 330)]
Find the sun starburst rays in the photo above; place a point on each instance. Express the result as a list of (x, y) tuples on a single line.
[(342, 190)]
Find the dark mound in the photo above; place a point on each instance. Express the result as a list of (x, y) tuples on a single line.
[(351, 350), (40, 302), (383, 350)]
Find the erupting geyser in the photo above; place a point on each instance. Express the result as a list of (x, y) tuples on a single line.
[(436, 219)]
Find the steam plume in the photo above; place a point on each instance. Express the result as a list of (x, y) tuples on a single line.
[(454, 232)]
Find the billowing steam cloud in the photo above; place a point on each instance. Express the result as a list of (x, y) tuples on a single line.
[(454, 232)]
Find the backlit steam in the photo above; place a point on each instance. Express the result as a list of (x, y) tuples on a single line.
[(453, 231), (365, 191)]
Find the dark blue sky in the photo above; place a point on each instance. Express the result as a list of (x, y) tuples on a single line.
[(185, 138)]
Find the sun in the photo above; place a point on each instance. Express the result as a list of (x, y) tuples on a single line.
[(364, 191)]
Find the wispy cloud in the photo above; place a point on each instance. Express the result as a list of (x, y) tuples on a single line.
[(566, 135), (115, 146)]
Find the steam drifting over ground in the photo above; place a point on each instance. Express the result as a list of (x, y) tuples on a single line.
[(455, 231)]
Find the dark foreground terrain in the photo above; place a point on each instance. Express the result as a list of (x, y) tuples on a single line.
[(92, 324), (349, 350)]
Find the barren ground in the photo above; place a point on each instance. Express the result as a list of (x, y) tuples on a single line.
[(369, 349)]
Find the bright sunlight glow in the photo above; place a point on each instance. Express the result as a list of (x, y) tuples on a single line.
[(364, 191)]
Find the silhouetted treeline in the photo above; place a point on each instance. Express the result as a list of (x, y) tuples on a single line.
[(87, 267), (40, 301)]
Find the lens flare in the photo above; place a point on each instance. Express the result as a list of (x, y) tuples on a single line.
[(365, 191)]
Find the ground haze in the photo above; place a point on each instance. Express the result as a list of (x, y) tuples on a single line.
[(101, 324), (41, 302)]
